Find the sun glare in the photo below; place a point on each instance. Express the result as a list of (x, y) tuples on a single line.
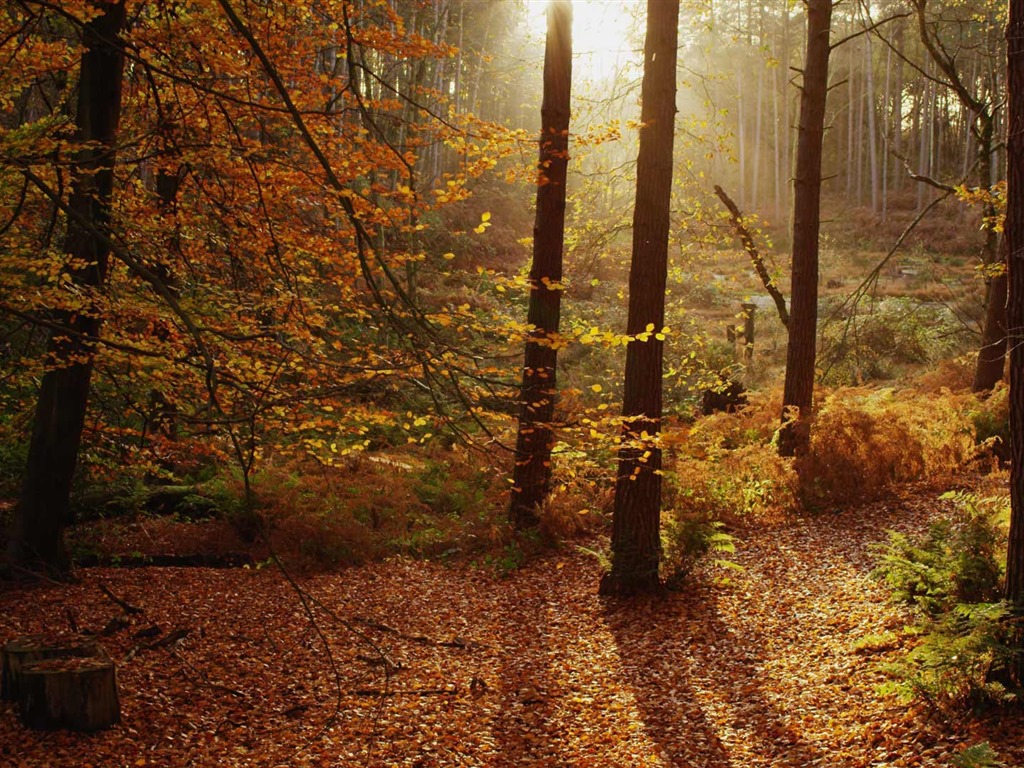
[(600, 35)]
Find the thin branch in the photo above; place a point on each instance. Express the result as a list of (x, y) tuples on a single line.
[(751, 248)]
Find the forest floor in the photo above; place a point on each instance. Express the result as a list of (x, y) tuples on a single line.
[(423, 664)]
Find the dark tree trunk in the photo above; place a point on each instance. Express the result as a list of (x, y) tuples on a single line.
[(1015, 304), (636, 545), (37, 541), (992, 356), (798, 395), (532, 473)]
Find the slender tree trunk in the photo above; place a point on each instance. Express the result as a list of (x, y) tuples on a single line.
[(37, 540), (897, 103), (755, 184), (872, 129), (850, 133), (922, 121), (859, 200), (741, 137), (532, 474), (798, 394), (1015, 245), (787, 132), (886, 133), (777, 151), (636, 545)]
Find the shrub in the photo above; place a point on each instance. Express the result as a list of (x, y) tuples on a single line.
[(686, 540), (865, 440), (991, 421), (897, 332)]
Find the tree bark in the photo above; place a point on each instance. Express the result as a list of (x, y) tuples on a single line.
[(531, 479), (992, 355), (1014, 233), (798, 393), (37, 539), (636, 545)]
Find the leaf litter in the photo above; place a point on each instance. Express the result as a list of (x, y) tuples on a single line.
[(415, 663)]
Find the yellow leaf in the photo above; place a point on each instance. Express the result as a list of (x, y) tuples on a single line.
[(449, 256), (486, 216), (596, 387)]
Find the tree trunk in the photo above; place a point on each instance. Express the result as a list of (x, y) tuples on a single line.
[(1014, 234), (992, 356), (897, 104), (532, 473), (989, 368), (798, 394), (886, 135), (37, 539), (741, 134), (636, 546), (869, 95)]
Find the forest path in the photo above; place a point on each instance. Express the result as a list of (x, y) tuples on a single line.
[(530, 669)]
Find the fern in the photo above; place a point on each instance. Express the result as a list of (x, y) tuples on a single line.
[(980, 755)]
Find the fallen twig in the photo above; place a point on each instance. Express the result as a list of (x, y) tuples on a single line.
[(124, 605)]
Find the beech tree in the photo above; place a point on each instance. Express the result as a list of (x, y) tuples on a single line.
[(532, 475), (37, 540), (798, 394), (249, 277), (636, 546)]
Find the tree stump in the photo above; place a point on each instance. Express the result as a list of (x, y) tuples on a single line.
[(72, 692), (21, 651)]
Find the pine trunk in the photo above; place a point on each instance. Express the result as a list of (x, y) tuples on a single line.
[(798, 394), (1014, 234), (532, 473), (636, 544)]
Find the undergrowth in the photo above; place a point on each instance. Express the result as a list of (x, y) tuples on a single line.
[(952, 575)]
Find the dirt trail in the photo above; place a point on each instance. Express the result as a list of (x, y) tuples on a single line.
[(532, 669)]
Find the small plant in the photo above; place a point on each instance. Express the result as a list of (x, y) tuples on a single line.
[(957, 561), (980, 755), (686, 540)]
